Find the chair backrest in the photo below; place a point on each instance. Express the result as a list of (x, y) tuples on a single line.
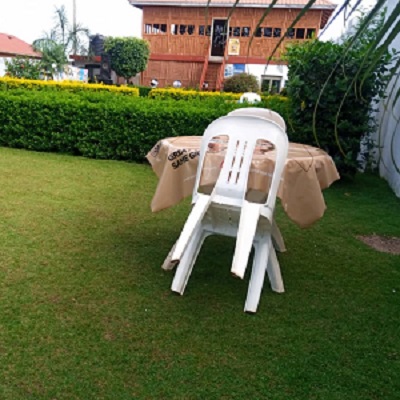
[(243, 133), (261, 112), (249, 97)]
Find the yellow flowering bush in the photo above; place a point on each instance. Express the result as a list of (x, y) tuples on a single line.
[(7, 83), (183, 94)]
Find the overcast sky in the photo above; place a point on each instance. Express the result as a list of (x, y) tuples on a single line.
[(29, 19)]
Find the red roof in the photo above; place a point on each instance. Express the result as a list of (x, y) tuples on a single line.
[(11, 45)]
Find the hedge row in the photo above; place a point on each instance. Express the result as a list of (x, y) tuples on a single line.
[(100, 126), (69, 86), (183, 94)]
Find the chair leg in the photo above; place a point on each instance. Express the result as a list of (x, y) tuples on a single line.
[(277, 238), (168, 264), (188, 260), (262, 250), (193, 221), (274, 272), (249, 216)]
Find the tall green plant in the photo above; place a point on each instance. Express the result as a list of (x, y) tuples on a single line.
[(23, 67), (62, 39), (129, 56), (342, 115)]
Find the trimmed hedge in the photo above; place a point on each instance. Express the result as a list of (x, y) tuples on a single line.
[(102, 125), (183, 94), (69, 86)]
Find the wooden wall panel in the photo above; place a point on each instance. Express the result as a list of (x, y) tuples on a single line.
[(167, 71), (195, 45)]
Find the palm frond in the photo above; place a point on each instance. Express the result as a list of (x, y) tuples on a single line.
[(296, 20), (263, 16)]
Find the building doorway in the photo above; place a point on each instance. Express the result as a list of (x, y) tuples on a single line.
[(219, 36)]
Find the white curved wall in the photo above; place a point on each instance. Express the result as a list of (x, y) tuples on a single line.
[(388, 136)]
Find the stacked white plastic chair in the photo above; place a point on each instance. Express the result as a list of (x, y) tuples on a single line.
[(226, 211), (250, 97), (261, 113), (273, 116)]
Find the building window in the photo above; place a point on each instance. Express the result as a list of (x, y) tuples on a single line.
[(271, 84), (277, 32), (300, 33), (190, 29), (290, 33), (235, 31), (246, 31), (203, 32), (267, 32), (155, 29), (174, 29), (310, 33), (182, 29), (159, 29)]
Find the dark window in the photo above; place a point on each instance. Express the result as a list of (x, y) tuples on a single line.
[(258, 32), (290, 33), (174, 29), (163, 28), (202, 30), (246, 31), (156, 28), (277, 32), (190, 29), (267, 32), (300, 33), (182, 29), (310, 33), (275, 86), (236, 31)]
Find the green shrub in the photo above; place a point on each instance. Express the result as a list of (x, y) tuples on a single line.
[(144, 90), (339, 127), (184, 94), (103, 125), (23, 67), (7, 83), (241, 83)]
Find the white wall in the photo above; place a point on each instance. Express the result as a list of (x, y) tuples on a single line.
[(388, 136), (279, 71), (3, 65), (259, 70)]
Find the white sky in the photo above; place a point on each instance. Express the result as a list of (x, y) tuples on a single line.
[(29, 19)]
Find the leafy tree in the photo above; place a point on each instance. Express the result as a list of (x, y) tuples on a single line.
[(241, 83), (23, 67), (62, 39), (339, 116), (53, 54), (129, 56)]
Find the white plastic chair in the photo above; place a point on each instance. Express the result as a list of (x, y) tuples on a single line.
[(226, 211), (273, 116), (250, 97), (262, 113)]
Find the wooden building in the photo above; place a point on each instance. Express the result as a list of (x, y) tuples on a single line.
[(195, 44)]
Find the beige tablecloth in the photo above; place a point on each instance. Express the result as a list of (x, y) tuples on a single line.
[(308, 171)]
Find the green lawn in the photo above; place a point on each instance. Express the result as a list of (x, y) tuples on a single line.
[(86, 311)]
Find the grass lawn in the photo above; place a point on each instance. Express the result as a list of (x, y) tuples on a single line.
[(86, 311)]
